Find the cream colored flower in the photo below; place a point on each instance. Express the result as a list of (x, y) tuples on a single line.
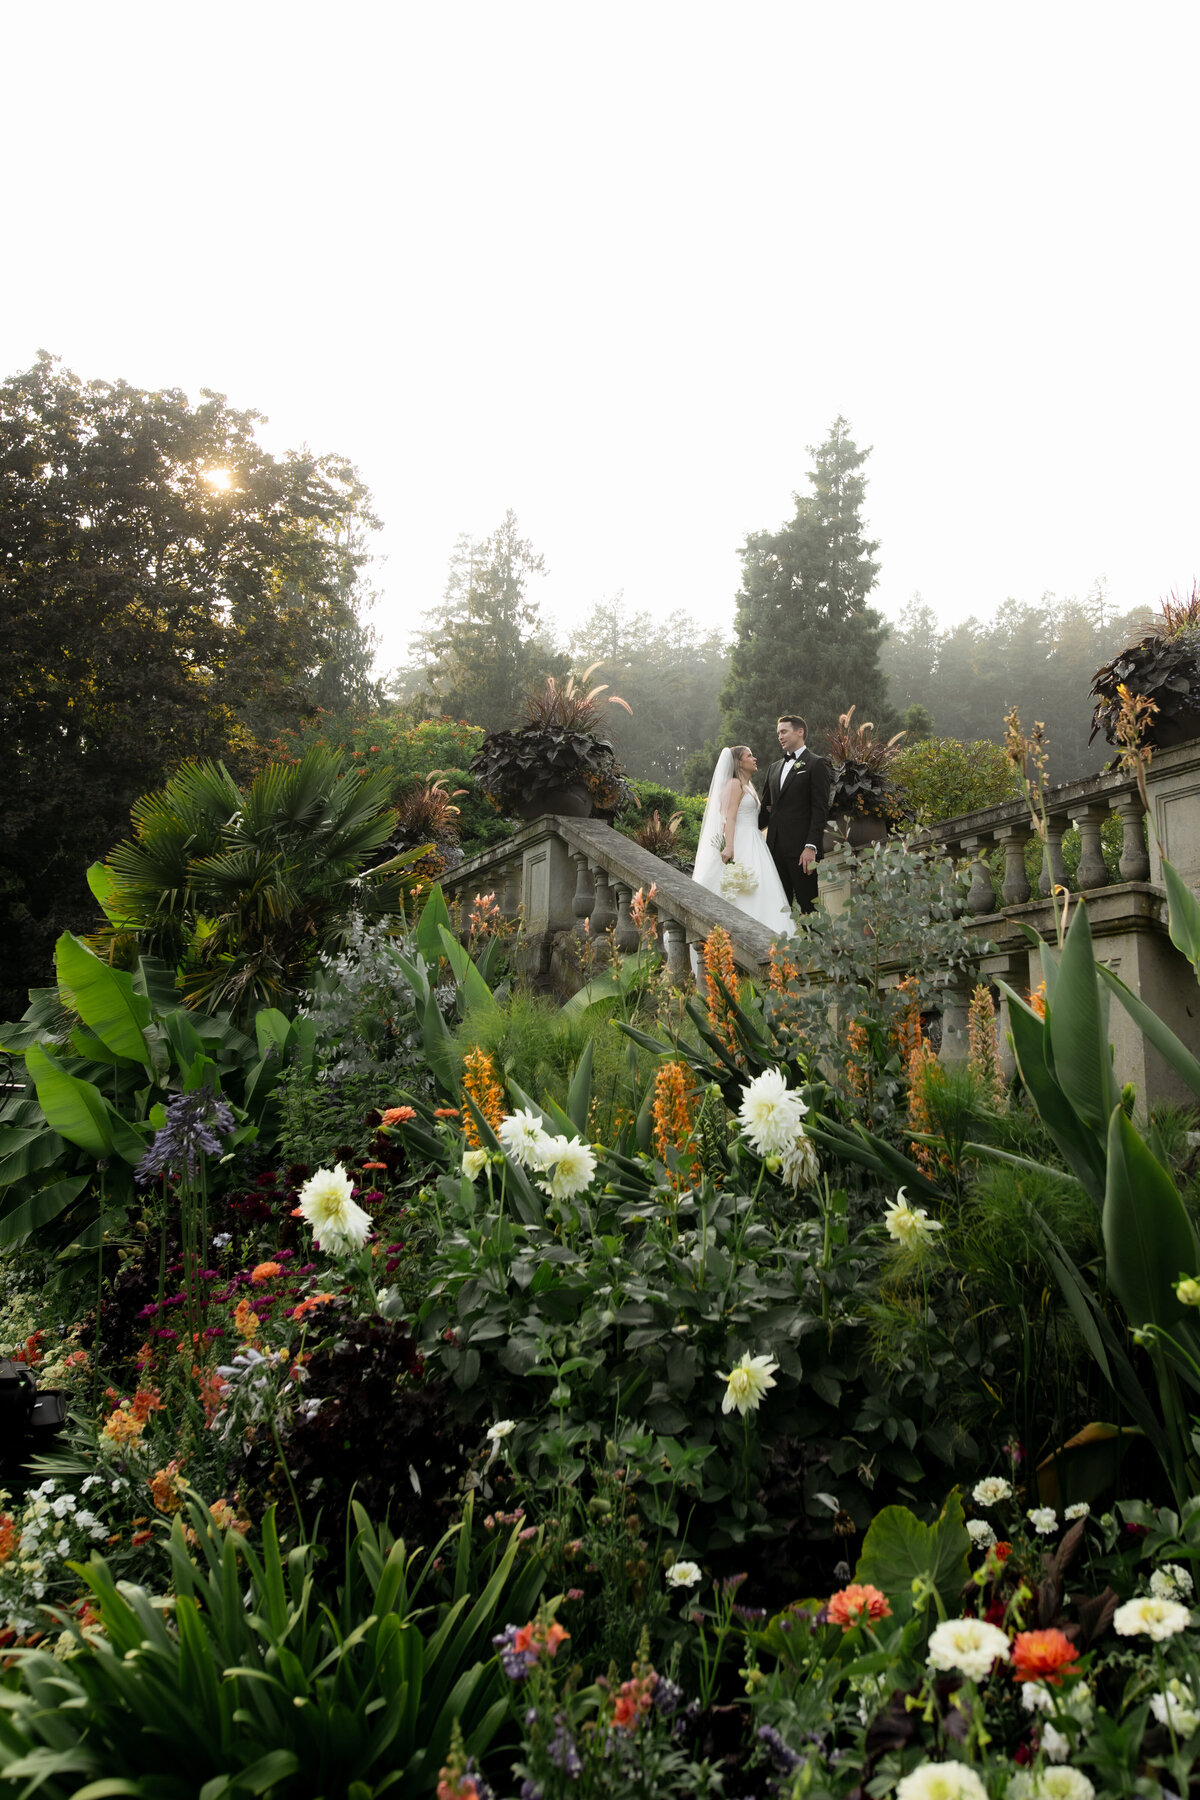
[(1080, 1510), (969, 1645), (1044, 1519), (501, 1429), (909, 1225), (747, 1383), (991, 1491), (1176, 1708), (941, 1781), (338, 1223), (800, 1167), (981, 1534), (1151, 1617), (571, 1165), (1171, 1581), (524, 1137), (771, 1113), (474, 1163), (1050, 1784), (683, 1574)]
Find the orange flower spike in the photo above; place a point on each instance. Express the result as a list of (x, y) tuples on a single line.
[(1042, 1656), (719, 963), (10, 1537), (246, 1321), (856, 1602), (480, 1081)]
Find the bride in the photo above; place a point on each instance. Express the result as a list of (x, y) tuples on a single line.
[(729, 835)]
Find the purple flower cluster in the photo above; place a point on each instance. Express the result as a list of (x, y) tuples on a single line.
[(515, 1663), (196, 1124), (785, 1759)]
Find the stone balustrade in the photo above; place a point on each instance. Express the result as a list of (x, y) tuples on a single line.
[(580, 876)]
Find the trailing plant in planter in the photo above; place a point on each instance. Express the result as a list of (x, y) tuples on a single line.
[(862, 783), (1163, 667), (556, 760)]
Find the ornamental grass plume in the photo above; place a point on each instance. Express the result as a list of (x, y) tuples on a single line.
[(983, 1058), (673, 1114), (856, 1602), (481, 1081), (720, 973)]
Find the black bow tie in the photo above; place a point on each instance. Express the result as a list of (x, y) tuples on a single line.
[(792, 755)]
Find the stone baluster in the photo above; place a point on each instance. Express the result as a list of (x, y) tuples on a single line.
[(604, 912), (981, 896), (1135, 859), (1053, 874), (674, 938), (585, 893), (626, 935), (1093, 872), (695, 952), (1015, 886)]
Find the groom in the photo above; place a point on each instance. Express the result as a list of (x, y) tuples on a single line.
[(795, 803)]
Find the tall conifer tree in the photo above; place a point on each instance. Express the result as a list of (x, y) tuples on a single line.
[(805, 639)]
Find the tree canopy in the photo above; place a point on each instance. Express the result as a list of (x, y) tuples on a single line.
[(168, 589), (805, 639)]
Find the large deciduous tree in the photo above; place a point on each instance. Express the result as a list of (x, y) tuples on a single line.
[(806, 640), (168, 589)]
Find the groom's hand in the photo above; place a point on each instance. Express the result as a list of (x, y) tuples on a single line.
[(808, 860)]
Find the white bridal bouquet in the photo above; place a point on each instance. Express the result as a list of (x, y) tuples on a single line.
[(736, 878)]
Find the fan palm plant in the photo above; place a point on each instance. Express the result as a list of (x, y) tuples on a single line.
[(241, 889)]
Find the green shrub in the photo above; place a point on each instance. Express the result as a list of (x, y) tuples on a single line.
[(940, 778)]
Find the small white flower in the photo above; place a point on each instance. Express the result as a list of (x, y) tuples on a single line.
[(910, 1226), (1055, 1743), (941, 1781), (982, 1535), (991, 1491), (771, 1113), (91, 1482), (500, 1429), (1152, 1618), (572, 1164), (747, 1382), (968, 1645), (1171, 1581), (222, 1239), (1080, 1510), (85, 1519), (474, 1163), (1050, 1784), (1044, 1519), (524, 1138), (1177, 1709), (63, 1546), (683, 1575), (338, 1223)]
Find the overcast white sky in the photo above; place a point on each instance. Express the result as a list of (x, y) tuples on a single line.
[(617, 266)]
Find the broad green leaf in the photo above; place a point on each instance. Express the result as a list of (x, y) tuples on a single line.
[(1183, 915), (1082, 1149), (898, 1548), (1148, 1238), (475, 990), (104, 886), (270, 1030), (104, 999), (434, 915), (1078, 1027), (156, 980), (40, 1208), (74, 1108), (1170, 1048), (601, 987), (579, 1095)]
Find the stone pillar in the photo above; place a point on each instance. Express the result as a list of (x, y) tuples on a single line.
[(1053, 874), (981, 896), (956, 1005), (675, 949), (510, 898), (604, 912), (695, 949), (626, 935), (548, 885), (1135, 859), (1093, 872), (585, 892), (1015, 886)]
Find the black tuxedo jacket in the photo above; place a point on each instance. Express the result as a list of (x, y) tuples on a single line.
[(795, 814)]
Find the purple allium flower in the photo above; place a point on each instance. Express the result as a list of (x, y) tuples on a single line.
[(195, 1125)]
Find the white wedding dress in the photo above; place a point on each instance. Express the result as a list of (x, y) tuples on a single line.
[(767, 901)]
